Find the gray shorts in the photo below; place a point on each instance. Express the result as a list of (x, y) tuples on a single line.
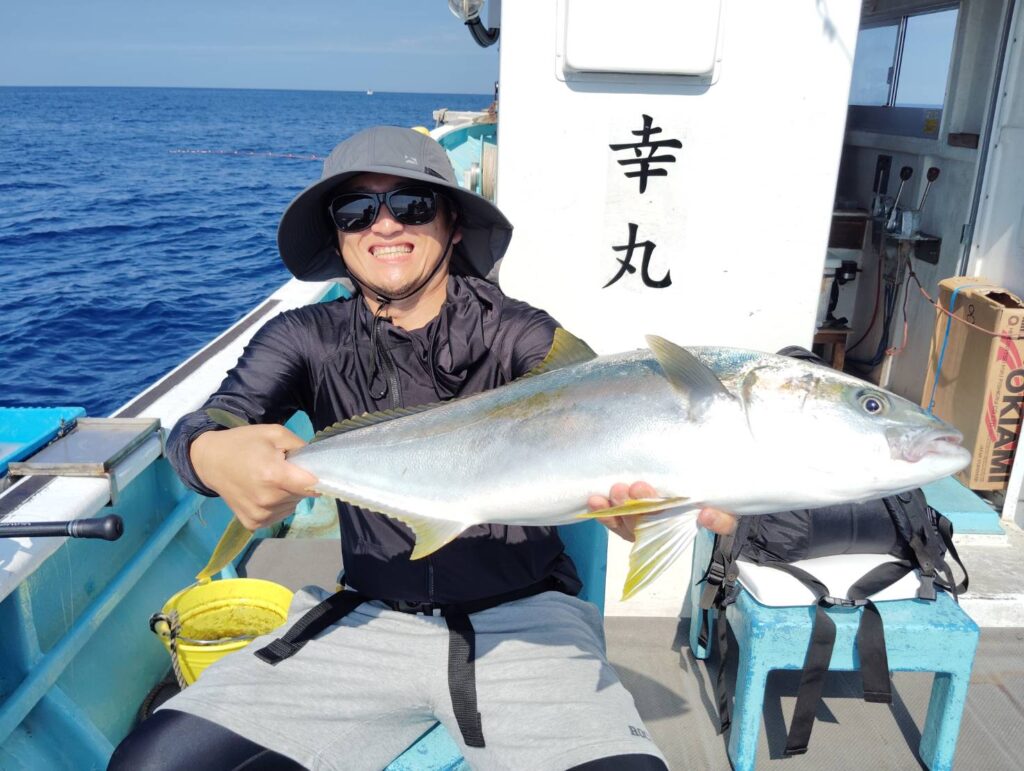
[(359, 694)]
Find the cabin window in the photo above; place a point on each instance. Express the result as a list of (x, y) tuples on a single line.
[(900, 73), (873, 65)]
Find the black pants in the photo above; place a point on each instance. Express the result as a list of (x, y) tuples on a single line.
[(172, 740)]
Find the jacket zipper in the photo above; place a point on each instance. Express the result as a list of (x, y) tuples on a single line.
[(395, 391), (394, 387)]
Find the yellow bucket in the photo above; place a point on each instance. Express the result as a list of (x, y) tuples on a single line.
[(217, 617)]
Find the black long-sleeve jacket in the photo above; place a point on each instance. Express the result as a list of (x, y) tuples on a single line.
[(320, 359)]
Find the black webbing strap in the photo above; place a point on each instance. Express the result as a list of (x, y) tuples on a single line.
[(927, 566), (819, 656), (812, 681), (315, 620), (909, 515), (462, 677), (945, 528), (874, 660), (724, 715), (715, 580), (461, 642), (462, 656)]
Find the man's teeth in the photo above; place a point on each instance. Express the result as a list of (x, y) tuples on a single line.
[(383, 251)]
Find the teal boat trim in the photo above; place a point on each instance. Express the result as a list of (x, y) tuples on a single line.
[(49, 667)]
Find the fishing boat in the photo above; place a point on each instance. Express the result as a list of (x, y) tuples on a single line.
[(687, 172)]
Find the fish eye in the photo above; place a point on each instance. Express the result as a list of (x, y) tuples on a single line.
[(873, 404)]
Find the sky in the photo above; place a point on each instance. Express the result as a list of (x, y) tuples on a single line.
[(339, 45)]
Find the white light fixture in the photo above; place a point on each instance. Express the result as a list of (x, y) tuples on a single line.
[(466, 10)]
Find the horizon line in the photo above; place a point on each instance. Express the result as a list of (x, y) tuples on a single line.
[(248, 88)]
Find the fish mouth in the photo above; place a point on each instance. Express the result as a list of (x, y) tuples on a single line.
[(914, 446)]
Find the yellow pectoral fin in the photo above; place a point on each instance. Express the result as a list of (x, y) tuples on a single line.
[(633, 507), (660, 539), (228, 547)]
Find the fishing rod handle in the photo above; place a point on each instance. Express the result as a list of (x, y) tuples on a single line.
[(109, 528)]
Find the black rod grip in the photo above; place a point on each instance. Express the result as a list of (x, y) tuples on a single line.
[(109, 528)]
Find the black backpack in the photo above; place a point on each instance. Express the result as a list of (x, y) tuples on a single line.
[(903, 526)]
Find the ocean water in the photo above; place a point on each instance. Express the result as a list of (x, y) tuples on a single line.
[(136, 224)]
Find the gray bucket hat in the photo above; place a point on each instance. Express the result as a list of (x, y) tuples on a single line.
[(307, 238)]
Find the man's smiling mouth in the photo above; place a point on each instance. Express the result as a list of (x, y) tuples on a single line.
[(390, 250)]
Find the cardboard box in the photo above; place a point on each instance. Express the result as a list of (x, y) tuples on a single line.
[(980, 385)]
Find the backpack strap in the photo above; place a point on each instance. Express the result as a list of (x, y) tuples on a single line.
[(945, 528), (719, 581), (909, 518), (927, 531), (874, 660), (714, 580), (874, 663), (819, 655), (721, 693)]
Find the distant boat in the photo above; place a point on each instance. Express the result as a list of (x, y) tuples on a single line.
[(369, 93)]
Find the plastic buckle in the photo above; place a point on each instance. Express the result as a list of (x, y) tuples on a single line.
[(716, 574), (279, 650), (426, 608), (842, 602)]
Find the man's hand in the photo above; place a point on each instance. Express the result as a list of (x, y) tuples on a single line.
[(713, 519), (246, 466)]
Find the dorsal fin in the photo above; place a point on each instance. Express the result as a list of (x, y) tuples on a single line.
[(687, 373), (566, 350), (370, 419)]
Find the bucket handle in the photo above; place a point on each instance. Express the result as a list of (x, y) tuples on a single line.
[(173, 631)]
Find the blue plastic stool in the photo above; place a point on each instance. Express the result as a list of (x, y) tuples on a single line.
[(587, 544), (920, 636)]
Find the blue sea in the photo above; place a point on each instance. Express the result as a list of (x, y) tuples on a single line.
[(136, 224)]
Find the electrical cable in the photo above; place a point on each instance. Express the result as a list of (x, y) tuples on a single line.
[(906, 323), (878, 294)]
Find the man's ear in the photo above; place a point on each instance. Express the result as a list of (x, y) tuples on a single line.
[(457, 236)]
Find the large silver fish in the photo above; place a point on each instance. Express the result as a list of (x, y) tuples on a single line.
[(743, 431)]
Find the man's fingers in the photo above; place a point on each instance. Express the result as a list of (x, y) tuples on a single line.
[(296, 481), (598, 502), (282, 438), (717, 521), (619, 494), (641, 490), (620, 527)]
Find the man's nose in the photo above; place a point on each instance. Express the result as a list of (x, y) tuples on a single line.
[(386, 222)]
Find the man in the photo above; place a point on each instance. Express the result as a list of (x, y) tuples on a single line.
[(422, 327)]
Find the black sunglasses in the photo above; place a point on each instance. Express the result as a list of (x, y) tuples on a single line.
[(410, 205)]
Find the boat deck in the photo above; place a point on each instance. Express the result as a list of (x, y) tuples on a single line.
[(675, 693)]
